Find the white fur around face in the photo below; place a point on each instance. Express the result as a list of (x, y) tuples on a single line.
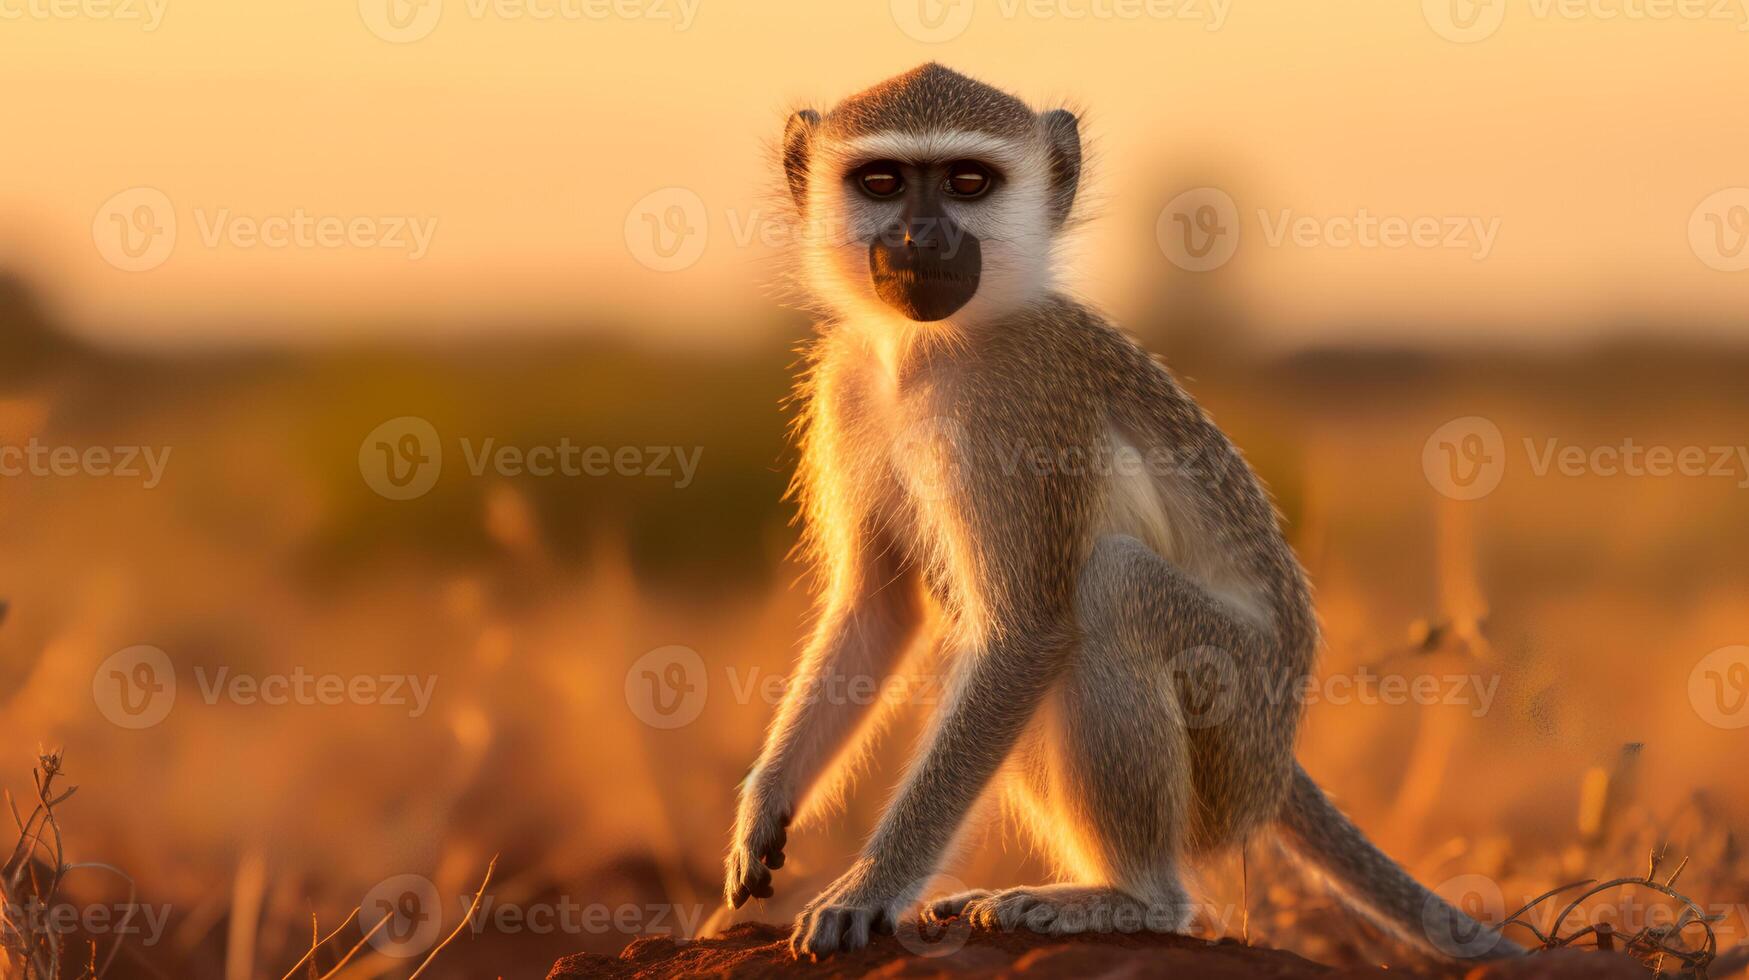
[(1012, 222)]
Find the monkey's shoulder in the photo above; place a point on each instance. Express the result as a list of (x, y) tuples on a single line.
[(1064, 348)]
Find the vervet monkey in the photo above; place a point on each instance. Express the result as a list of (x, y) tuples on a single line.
[(1085, 600)]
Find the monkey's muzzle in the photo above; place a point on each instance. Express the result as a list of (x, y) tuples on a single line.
[(925, 269)]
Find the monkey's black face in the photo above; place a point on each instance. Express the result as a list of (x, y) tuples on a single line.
[(923, 263)]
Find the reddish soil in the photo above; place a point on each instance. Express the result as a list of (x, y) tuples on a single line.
[(759, 950)]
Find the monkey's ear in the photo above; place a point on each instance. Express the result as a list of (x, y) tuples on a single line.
[(797, 134), (1063, 133)]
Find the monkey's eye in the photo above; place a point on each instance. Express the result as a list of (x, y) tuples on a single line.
[(969, 178), (880, 179)]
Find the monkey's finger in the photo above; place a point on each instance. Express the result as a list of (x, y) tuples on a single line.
[(822, 940), (798, 936), (753, 880), (773, 856), (855, 930)]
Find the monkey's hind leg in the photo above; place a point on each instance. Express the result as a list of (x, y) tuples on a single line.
[(1106, 777)]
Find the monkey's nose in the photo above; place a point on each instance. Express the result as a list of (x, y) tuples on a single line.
[(922, 233)]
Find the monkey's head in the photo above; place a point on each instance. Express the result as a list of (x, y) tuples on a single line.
[(932, 196)]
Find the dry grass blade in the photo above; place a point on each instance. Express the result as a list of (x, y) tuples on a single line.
[(31, 878), (127, 917), (316, 944), (463, 924), (385, 920)]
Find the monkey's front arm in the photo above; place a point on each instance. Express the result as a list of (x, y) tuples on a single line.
[(865, 623), (1000, 686)]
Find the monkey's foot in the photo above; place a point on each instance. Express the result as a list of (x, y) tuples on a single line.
[(1062, 910), (948, 906)]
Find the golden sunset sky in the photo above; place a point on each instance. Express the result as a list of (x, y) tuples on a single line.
[(1586, 164)]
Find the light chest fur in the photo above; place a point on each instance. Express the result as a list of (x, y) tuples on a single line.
[(908, 461)]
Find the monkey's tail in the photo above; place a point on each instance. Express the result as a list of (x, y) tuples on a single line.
[(1318, 833)]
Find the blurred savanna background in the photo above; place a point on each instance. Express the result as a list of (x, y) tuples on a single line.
[(301, 303)]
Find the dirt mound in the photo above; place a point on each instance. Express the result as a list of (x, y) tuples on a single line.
[(759, 950)]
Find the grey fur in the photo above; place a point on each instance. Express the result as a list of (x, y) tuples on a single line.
[(1082, 604), (1064, 133), (929, 96), (796, 134)]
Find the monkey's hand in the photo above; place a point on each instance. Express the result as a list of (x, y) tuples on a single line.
[(841, 918), (757, 848)]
